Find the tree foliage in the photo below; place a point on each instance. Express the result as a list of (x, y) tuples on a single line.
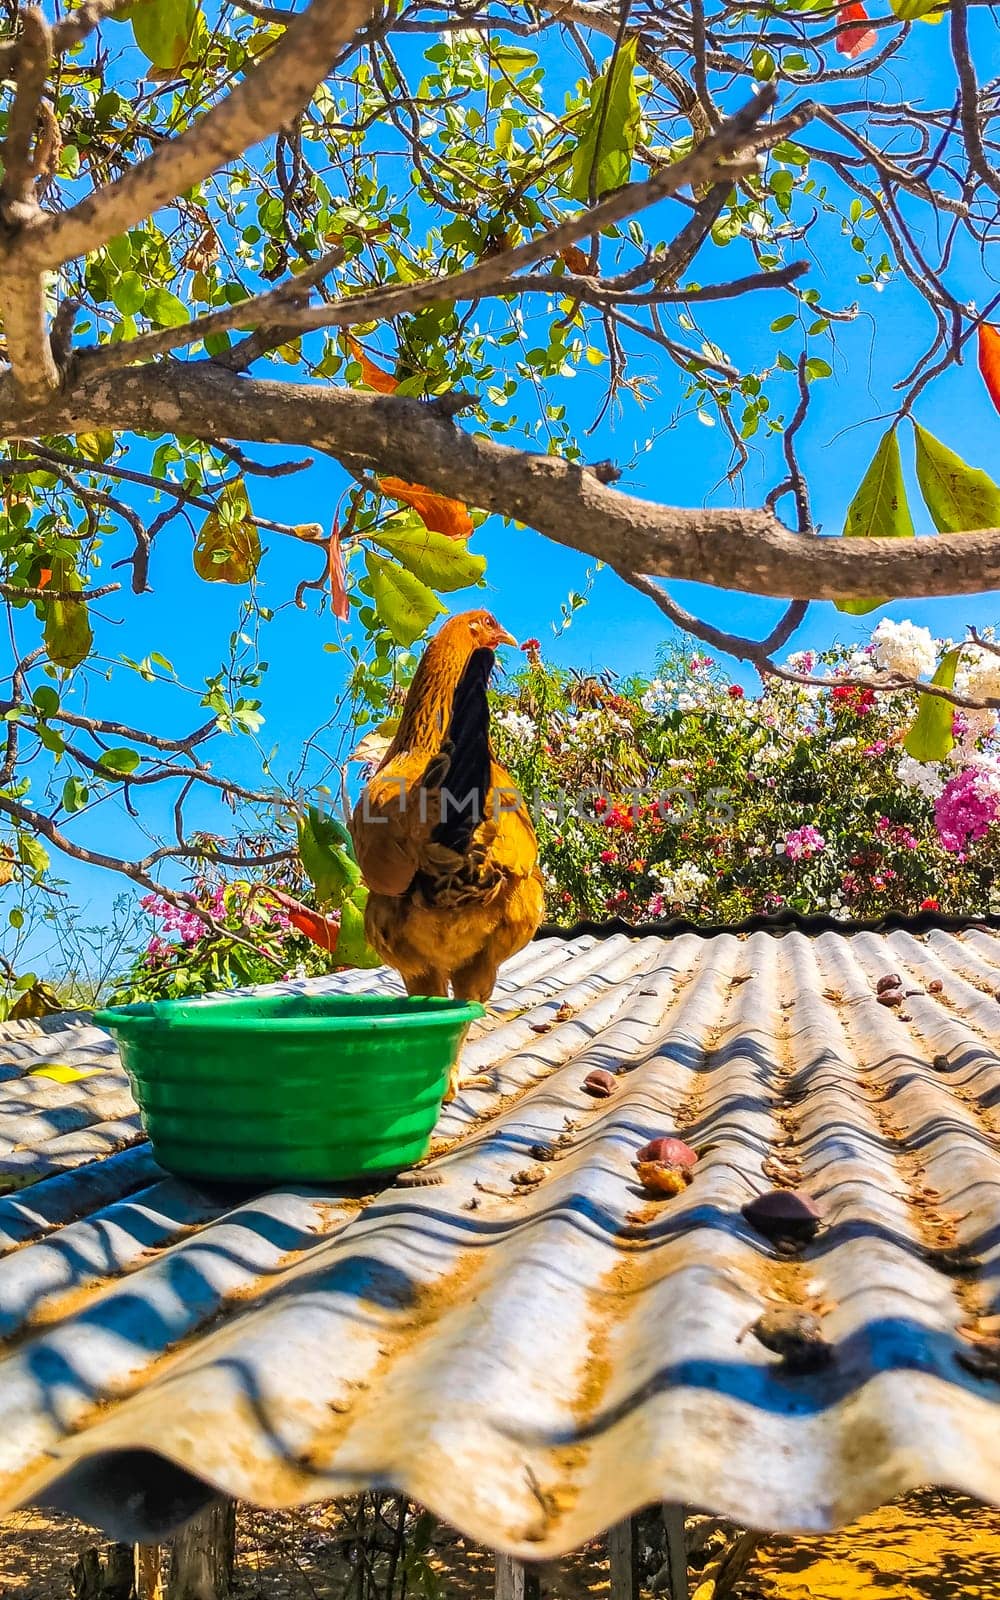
[(390, 233)]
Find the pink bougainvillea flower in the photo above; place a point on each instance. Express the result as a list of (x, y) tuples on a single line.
[(967, 807), (804, 843)]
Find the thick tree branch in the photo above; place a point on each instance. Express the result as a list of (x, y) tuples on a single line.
[(746, 550), (22, 290)]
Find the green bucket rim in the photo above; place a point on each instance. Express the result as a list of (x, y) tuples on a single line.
[(216, 1013)]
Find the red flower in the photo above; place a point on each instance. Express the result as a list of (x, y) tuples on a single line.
[(735, 692), (853, 698), (607, 856), (853, 41), (530, 644), (600, 805), (930, 904)]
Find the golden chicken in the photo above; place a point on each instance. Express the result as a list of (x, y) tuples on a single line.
[(444, 841)]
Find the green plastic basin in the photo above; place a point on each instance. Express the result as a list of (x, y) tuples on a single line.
[(289, 1087)]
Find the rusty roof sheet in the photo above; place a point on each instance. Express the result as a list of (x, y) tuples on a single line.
[(528, 1344)]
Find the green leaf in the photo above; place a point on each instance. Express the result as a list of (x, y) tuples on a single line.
[(75, 795), (919, 10), (128, 293), (45, 699), (608, 130), (165, 309), (15, 917), (120, 760), (327, 855), (930, 737), (879, 510), (67, 632), (959, 498), (404, 605), (443, 563), (164, 29), (763, 64), (352, 948), (32, 853)]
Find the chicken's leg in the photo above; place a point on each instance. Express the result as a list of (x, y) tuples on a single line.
[(476, 981)]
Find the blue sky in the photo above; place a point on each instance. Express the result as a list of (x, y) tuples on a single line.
[(528, 577)]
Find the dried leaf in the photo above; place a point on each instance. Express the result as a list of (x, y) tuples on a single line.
[(852, 39), (436, 511), (336, 574), (576, 260), (228, 546), (61, 1072), (989, 360), (374, 377)]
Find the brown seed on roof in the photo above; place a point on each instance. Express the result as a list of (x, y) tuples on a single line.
[(783, 1214), (796, 1336), (599, 1083), (891, 980)]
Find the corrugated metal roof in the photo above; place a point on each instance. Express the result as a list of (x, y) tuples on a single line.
[(530, 1345)]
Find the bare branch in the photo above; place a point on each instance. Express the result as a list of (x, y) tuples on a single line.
[(969, 92)]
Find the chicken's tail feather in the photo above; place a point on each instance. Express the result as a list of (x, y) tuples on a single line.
[(466, 784)]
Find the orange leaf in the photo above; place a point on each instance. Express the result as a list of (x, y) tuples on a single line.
[(989, 360), (853, 41), (576, 260), (335, 572), (373, 376), (319, 930), (44, 577), (435, 511)]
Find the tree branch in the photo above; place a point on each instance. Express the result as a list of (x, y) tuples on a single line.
[(22, 289), (745, 550), (272, 94)]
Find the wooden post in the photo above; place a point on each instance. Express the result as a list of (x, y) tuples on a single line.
[(623, 1554), (516, 1580), (202, 1555), (673, 1523)]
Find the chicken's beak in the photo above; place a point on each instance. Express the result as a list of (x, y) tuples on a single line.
[(503, 637)]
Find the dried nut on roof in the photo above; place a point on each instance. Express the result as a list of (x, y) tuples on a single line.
[(890, 997), (663, 1177), (941, 1064), (669, 1149), (785, 1214), (892, 980), (600, 1084), (796, 1336), (935, 986)]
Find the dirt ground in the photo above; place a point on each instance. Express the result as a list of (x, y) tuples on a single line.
[(929, 1546)]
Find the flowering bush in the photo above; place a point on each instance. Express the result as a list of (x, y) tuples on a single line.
[(683, 795), (253, 941)]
